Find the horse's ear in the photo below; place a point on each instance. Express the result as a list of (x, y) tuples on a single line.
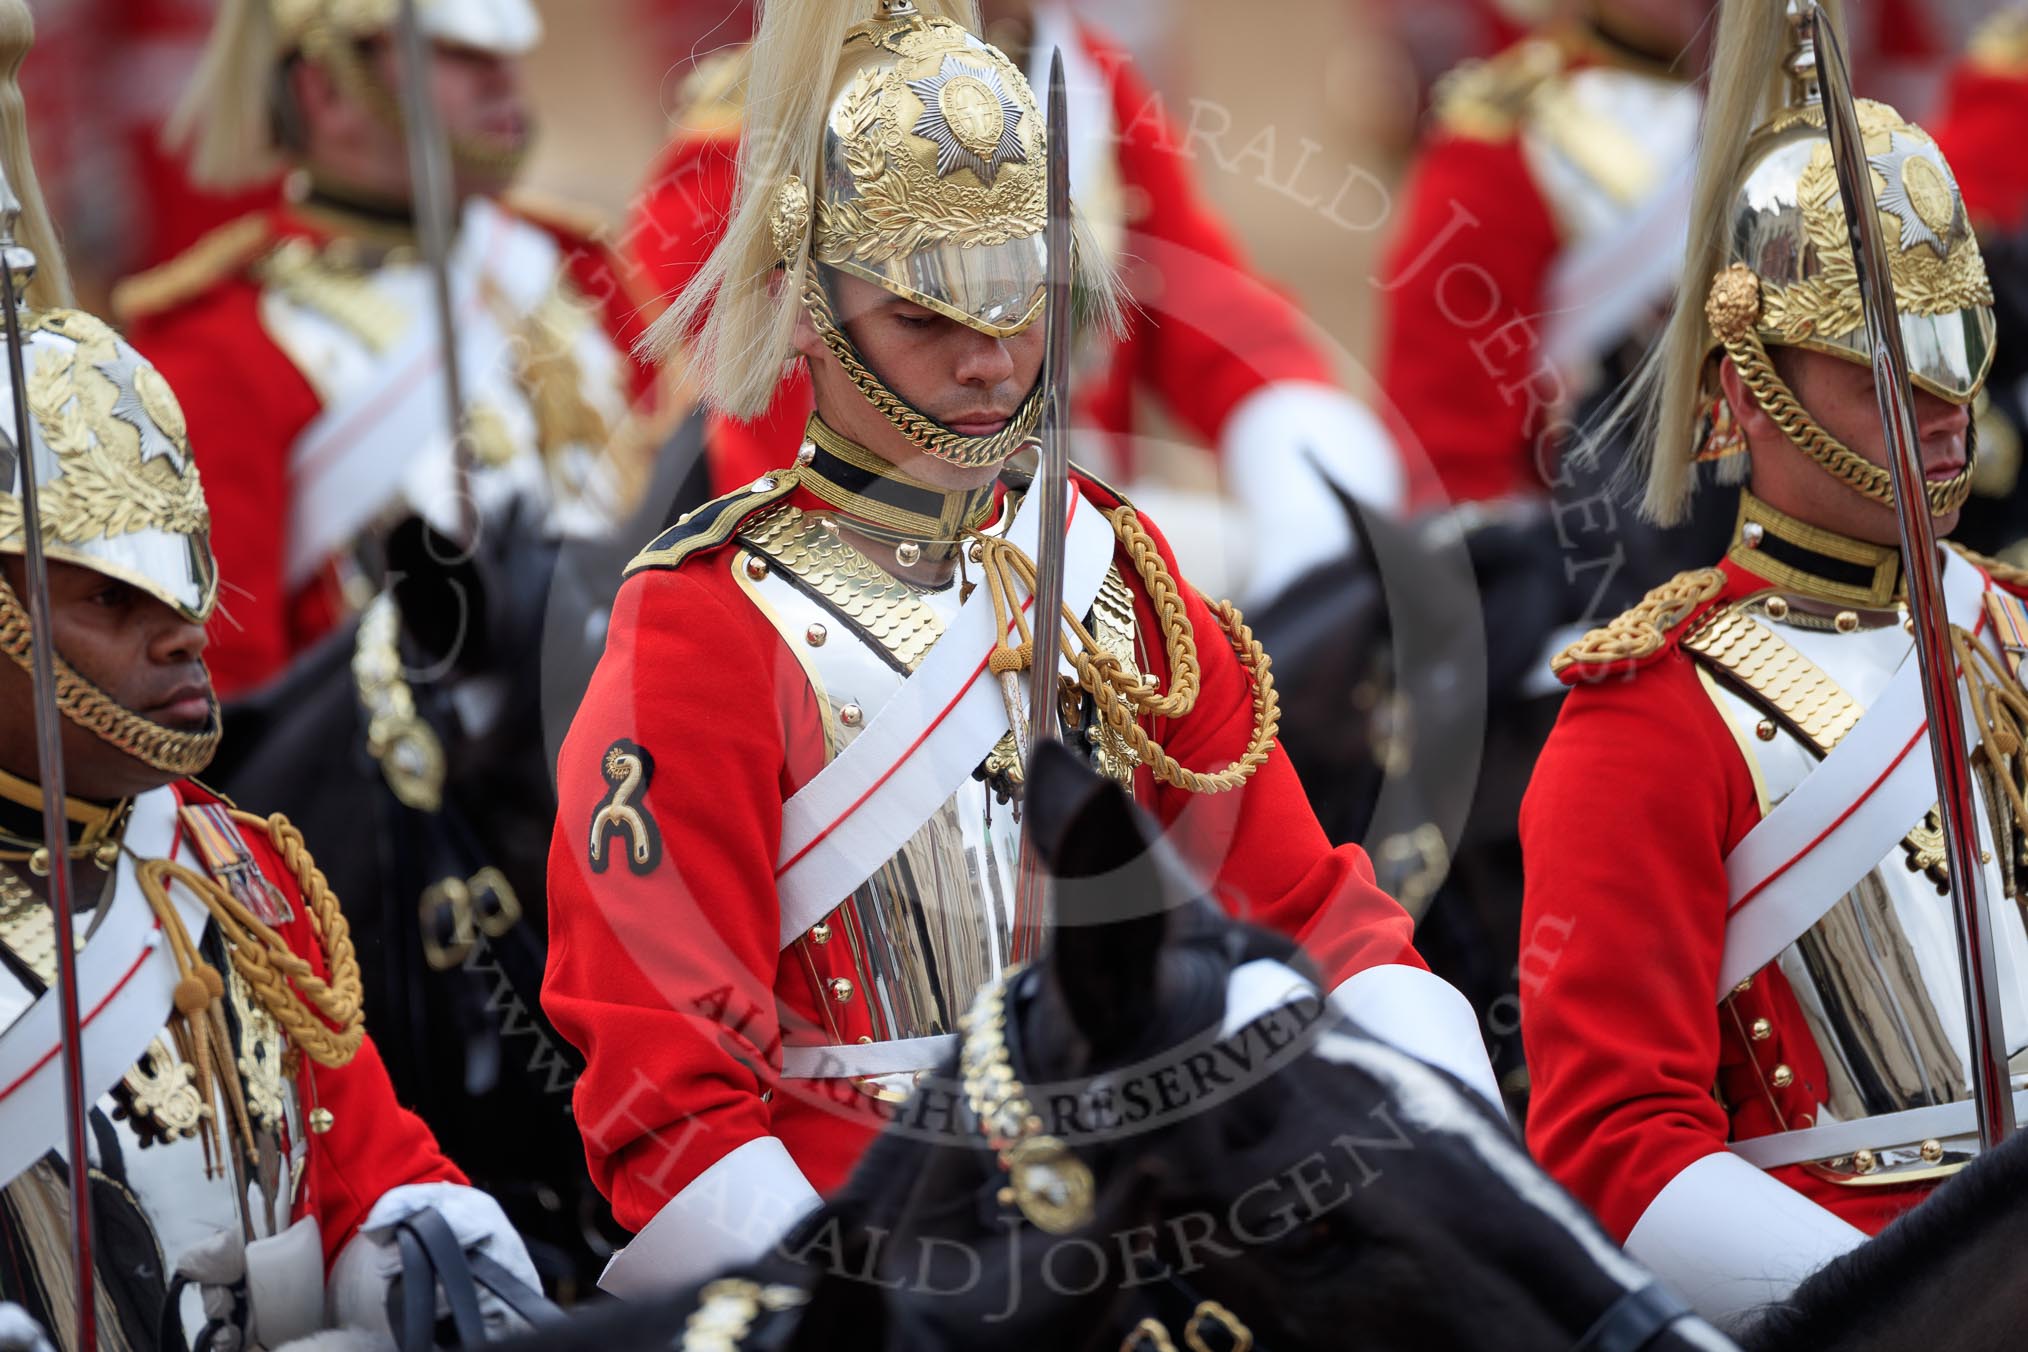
[(1119, 894)]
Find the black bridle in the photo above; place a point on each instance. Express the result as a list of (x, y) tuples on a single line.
[(1632, 1323), (1635, 1320)]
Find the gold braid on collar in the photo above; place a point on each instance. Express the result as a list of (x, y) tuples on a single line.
[(879, 501), (94, 830), (1811, 561)]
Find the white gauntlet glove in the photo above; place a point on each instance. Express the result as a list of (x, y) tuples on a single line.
[(367, 1267)]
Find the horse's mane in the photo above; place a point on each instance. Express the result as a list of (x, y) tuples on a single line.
[(1845, 1293)]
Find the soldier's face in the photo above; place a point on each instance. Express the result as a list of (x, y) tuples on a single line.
[(130, 645), (479, 100), (965, 380), (1839, 394)]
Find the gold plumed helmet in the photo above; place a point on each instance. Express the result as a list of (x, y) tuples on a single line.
[(118, 491), (887, 141), (230, 117), (1770, 264)]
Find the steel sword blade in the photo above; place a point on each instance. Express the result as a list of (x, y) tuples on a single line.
[(432, 190), (49, 768), (1050, 492), (1956, 801)]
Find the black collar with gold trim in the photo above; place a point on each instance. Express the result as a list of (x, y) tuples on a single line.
[(877, 500), (1811, 561)]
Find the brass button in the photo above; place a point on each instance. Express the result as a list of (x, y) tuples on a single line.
[(321, 1120), (908, 553), (1863, 1161), (1743, 987), (807, 456), (764, 485), (1932, 1151), (851, 715), (865, 1040), (756, 567), (1845, 621), (815, 635), (1782, 1078), (820, 933), (841, 989), (978, 553), (1763, 1029), (1751, 534), (1765, 730), (1777, 608)]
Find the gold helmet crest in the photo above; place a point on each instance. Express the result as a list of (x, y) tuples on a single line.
[(884, 140), (1770, 264)]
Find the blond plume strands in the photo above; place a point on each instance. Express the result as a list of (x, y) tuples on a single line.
[(1664, 403), (732, 324), (35, 231), (224, 123)]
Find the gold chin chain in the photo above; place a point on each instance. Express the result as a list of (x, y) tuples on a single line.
[(165, 749), (1123, 697), (925, 434), (1841, 462)]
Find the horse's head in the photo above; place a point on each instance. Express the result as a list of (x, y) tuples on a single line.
[(1165, 1126)]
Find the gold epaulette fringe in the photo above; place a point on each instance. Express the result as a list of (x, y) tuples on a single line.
[(218, 255), (1643, 630), (712, 100), (1485, 100), (2001, 43)]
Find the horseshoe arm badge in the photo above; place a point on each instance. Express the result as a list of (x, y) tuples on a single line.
[(627, 768)]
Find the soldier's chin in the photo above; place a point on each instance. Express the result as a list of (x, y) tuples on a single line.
[(185, 716)]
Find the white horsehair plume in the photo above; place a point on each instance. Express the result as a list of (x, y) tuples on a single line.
[(34, 231), (224, 122), (1663, 404)]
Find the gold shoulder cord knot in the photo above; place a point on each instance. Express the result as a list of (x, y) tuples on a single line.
[(1640, 632), (322, 1018), (1121, 697)]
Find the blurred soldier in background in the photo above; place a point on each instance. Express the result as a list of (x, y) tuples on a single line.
[(305, 330), (1534, 256), (1229, 360), (363, 634)]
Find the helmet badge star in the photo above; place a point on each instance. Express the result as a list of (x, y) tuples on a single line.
[(970, 117), (146, 405), (1921, 194)]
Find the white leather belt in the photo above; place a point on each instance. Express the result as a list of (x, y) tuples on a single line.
[(1884, 1132), (844, 1061)]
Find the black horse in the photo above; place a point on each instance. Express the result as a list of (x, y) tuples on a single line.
[(1291, 1184), (418, 759), (1940, 1279)]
